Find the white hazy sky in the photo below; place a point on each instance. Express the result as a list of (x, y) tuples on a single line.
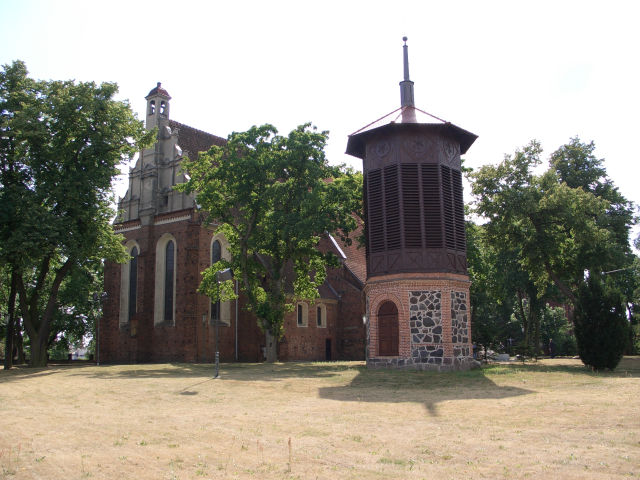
[(508, 71)]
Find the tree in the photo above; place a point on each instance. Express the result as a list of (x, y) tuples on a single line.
[(554, 225), (601, 325), (60, 144), (273, 197)]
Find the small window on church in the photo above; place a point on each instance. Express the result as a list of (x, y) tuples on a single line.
[(152, 107), (163, 107), (302, 314), (321, 316)]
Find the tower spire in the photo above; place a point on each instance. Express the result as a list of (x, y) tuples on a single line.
[(406, 89)]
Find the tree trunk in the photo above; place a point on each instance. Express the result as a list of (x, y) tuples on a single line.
[(8, 344), (38, 352), (18, 343), (8, 351), (271, 349)]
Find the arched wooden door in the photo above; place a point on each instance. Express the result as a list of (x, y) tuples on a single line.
[(388, 331)]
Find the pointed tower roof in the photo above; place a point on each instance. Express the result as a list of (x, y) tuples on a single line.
[(407, 117)]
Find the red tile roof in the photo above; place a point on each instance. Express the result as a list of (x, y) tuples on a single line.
[(158, 90), (193, 141)]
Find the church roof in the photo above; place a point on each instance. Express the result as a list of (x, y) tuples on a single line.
[(158, 90), (193, 141)]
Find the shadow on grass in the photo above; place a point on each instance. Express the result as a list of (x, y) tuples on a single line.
[(228, 371), (428, 388), (628, 367)]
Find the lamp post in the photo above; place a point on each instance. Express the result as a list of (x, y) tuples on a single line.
[(221, 276)]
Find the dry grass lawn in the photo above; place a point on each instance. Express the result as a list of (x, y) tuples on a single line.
[(553, 419)]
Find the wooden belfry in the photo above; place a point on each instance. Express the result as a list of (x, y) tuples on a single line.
[(417, 286)]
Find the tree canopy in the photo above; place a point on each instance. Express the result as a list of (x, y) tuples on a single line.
[(60, 144), (273, 197), (547, 229)]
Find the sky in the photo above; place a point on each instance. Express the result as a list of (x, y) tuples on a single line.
[(508, 71)]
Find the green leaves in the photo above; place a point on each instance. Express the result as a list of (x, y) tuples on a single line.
[(60, 144), (273, 197)]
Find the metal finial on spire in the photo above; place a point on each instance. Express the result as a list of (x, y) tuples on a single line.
[(406, 88), (405, 52)]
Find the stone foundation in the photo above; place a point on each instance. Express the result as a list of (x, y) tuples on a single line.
[(433, 322)]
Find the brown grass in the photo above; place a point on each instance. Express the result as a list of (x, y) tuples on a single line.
[(553, 419)]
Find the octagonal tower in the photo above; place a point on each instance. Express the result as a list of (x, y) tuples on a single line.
[(417, 286)]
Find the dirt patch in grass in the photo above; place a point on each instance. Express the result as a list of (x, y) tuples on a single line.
[(552, 419)]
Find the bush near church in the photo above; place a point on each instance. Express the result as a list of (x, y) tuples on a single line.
[(601, 325)]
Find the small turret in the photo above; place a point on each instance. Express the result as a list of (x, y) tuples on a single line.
[(157, 106)]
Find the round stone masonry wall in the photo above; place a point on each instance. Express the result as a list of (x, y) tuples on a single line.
[(433, 322)]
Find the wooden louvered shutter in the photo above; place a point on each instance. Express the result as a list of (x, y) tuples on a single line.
[(411, 206), (458, 204), (432, 208), (375, 214), (447, 207), (392, 207)]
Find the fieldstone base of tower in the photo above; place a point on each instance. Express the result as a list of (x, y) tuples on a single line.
[(433, 322)]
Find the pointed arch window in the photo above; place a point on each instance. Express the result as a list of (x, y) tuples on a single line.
[(133, 282), (129, 284), (165, 281), (216, 256), (169, 279), (220, 311)]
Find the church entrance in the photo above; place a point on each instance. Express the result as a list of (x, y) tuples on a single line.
[(388, 331)]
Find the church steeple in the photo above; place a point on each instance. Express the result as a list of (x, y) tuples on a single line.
[(406, 89)]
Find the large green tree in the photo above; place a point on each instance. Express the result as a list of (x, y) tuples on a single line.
[(273, 197), (555, 225), (60, 144)]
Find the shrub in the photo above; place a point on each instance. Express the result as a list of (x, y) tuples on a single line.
[(601, 325)]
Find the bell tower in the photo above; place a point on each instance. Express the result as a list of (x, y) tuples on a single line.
[(417, 287), (157, 106)]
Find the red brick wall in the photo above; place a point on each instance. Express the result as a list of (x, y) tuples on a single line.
[(192, 340)]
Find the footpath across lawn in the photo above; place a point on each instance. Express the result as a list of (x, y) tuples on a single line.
[(551, 419)]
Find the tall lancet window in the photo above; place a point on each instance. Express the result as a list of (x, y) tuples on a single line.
[(216, 256), (129, 284), (133, 282), (164, 306), (169, 277)]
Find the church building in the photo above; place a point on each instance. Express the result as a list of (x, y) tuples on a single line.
[(153, 311)]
